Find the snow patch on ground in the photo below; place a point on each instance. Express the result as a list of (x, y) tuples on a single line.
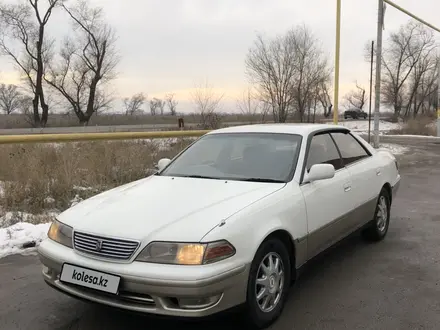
[(395, 149), (19, 232), (361, 126), (21, 237)]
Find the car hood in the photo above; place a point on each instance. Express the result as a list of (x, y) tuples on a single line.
[(164, 208)]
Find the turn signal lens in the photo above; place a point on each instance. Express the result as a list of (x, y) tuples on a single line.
[(218, 251)]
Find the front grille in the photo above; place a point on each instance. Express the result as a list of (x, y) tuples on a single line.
[(105, 247)]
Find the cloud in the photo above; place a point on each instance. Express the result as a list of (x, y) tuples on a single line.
[(168, 45)]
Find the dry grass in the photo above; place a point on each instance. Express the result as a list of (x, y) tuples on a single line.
[(418, 126), (40, 177)]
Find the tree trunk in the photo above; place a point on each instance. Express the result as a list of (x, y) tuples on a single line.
[(91, 101), (314, 111), (36, 114), (39, 79)]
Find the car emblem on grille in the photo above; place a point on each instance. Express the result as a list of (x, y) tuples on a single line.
[(98, 245)]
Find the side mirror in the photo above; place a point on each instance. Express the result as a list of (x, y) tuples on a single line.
[(161, 164), (320, 172)]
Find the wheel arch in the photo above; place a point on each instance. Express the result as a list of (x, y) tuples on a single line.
[(286, 238), (389, 190)]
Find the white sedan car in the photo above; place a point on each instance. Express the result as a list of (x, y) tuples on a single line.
[(228, 222)]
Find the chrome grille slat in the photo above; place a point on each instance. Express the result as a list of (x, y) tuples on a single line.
[(105, 245), (105, 250), (118, 241), (107, 242), (111, 248)]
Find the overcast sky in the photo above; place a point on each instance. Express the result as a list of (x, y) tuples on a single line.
[(170, 45)]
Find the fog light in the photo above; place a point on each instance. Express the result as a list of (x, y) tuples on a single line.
[(198, 303)]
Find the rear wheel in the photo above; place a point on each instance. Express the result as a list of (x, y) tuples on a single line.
[(378, 227), (268, 284)]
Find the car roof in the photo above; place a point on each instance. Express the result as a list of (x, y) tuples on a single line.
[(303, 129)]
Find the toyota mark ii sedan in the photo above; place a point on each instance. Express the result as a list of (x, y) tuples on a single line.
[(228, 222)]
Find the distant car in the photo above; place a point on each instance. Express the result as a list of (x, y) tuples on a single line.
[(355, 114), (229, 221)]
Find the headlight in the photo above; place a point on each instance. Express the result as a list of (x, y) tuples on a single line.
[(186, 253), (60, 233)]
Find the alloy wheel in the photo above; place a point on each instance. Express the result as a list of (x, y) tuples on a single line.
[(270, 282)]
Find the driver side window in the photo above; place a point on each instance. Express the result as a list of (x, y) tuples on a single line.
[(323, 151)]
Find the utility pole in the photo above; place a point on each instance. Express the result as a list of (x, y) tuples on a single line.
[(338, 46), (378, 72), (371, 91)]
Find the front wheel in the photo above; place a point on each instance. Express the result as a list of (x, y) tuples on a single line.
[(378, 227), (268, 284)]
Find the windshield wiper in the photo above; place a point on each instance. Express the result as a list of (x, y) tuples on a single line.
[(262, 180)]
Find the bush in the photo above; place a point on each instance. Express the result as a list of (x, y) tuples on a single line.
[(417, 126)]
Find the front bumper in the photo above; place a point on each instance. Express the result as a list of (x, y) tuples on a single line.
[(201, 291)]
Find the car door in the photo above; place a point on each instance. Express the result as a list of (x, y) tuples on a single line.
[(364, 173), (327, 201)]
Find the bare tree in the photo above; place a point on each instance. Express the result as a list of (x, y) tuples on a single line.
[(405, 49), (356, 98), (23, 38), (313, 69), (286, 71), (134, 104), (271, 66), (251, 106), (171, 103), (323, 97), (10, 98), (207, 102), (420, 82), (87, 61), (161, 106), (157, 106), (26, 107), (407, 61), (103, 101), (423, 84)]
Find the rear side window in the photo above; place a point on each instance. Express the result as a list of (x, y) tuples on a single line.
[(323, 151), (351, 150)]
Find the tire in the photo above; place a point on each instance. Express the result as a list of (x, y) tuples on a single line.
[(378, 227), (256, 315)]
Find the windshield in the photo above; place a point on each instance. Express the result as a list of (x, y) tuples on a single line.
[(262, 157)]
